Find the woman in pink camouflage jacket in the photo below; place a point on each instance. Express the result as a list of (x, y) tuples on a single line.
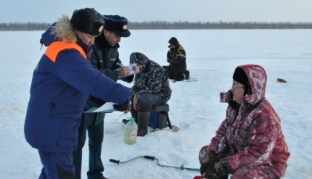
[(249, 143)]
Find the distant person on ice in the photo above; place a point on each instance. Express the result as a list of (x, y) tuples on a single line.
[(249, 143), (176, 57)]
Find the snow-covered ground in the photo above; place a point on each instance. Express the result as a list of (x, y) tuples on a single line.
[(212, 56)]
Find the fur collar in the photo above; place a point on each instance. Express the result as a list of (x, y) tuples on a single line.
[(63, 30)]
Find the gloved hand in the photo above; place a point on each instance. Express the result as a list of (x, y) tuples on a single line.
[(219, 170), (212, 157), (208, 164), (222, 168), (206, 169), (123, 106)]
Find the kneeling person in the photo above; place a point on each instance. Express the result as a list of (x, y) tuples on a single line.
[(176, 57)]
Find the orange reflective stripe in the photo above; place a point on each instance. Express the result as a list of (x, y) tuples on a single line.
[(55, 47)]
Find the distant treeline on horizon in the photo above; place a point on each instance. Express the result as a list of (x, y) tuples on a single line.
[(154, 25)]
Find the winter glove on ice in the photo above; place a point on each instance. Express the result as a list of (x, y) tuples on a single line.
[(122, 107)]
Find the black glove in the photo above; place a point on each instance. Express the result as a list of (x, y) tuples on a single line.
[(222, 168), (123, 106), (212, 157), (208, 163), (205, 169), (219, 170)]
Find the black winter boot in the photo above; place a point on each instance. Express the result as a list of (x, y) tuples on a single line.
[(143, 115), (134, 114), (187, 74)]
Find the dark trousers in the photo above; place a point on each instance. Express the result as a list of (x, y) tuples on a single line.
[(172, 75), (95, 135), (150, 100), (56, 165)]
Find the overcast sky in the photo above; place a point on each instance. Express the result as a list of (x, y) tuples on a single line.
[(163, 10)]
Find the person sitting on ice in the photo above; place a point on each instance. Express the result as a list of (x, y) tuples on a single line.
[(176, 57), (249, 143), (150, 88)]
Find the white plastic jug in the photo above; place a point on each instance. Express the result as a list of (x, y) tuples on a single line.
[(130, 134)]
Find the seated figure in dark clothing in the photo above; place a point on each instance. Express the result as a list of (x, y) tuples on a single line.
[(176, 57), (150, 88)]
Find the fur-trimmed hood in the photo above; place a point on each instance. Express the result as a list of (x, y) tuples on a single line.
[(59, 31)]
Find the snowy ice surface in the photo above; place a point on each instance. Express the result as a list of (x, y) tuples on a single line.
[(212, 56)]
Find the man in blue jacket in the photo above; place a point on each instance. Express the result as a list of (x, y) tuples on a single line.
[(105, 58), (61, 85)]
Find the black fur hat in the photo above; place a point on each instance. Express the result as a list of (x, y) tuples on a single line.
[(173, 41), (241, 77), (117, 24), (87, 20)]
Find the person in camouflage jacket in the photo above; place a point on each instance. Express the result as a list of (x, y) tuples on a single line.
[(151, 88)]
